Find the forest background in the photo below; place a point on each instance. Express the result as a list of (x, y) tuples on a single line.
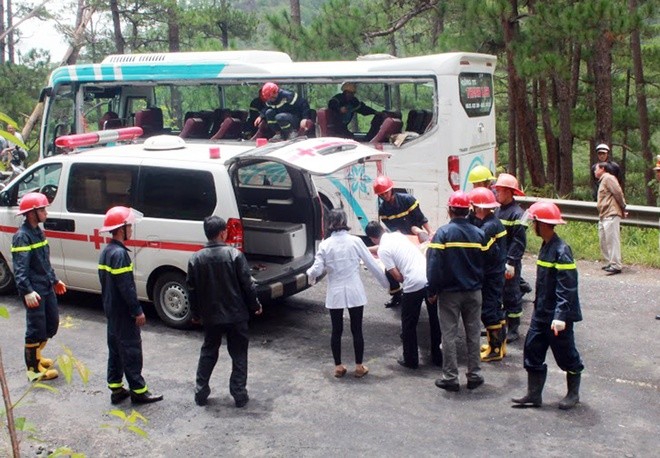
[(571, 73)]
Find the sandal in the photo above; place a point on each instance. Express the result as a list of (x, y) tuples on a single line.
[(361, 371), (340, 371)]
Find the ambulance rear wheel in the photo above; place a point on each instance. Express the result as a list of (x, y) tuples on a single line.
[(6, 277), (172, 301)]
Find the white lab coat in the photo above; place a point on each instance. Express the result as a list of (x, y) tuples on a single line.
[(339, 255)]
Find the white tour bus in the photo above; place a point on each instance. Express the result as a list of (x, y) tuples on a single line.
[(436, 113)]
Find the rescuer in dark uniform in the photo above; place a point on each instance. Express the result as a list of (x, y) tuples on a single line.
[(399, 212), (492, 315), (510, 214), (285, 111), (36, 283), (123, 310), (455, 272), (345, 105), (556, 309)]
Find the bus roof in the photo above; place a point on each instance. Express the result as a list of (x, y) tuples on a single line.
[(262, 65)]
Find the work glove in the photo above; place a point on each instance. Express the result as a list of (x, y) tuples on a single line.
[(509, 272), (311, 281), (59, 287), (558, 326), (32, 299)]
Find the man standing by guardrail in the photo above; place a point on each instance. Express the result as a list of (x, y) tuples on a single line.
[(611, 208), (656, 169)]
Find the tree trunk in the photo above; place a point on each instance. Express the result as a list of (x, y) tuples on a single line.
[(642, 108), (116, 24), (602, 66), (565, 182), (3, 40), (173, 43), (295, 13), (438, 24), (10, 37), (550, 137)]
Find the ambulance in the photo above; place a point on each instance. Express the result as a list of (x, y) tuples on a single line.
[(266, 194)]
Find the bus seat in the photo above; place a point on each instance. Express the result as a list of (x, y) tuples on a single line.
[(389, 127), (263, 131), (108, 115), (415, 121), (241, 115), (114, 123), (428, 119), (219, 115), (230, 128), (326, 120), (151, 121), (194, 128)]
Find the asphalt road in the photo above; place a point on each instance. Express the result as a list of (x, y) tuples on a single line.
[(297, 407)]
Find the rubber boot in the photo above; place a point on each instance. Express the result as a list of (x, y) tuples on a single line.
[(45, 362), (512, 329), (494, 350), (535, 382), (504, 333), (573, 395), (33, 364)]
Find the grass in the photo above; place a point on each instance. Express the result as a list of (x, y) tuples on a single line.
[(638, 245)]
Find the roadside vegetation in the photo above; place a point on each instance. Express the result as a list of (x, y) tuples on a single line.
[(638, 245)]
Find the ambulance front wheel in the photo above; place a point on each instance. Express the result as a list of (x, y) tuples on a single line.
[(172, 301)]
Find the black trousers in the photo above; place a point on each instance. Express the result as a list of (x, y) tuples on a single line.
[(540, 337), (237, 347), (512, 296), (124, 353), (395, 286), (491, 292), (337, 317), (42, 322), (411, 304), (282, 122)]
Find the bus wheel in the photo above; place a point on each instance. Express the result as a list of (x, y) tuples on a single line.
[(171, 300), (6, 277)]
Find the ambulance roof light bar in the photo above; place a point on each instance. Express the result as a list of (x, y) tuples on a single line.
[(98, 138)]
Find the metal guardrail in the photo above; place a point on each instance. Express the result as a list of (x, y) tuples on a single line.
[(577, 210)]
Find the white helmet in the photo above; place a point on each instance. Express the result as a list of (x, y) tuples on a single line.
[(603, 147)]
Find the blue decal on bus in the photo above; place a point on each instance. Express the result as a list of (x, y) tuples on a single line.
[(361, 215)]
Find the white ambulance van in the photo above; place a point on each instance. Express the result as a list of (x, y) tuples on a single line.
[(265, 194)]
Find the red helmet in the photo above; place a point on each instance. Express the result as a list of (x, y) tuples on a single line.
[(505, 180), (459, 199), (546, 212), (483, 197), (32, 201), (382, 184), (268, 91), (119, 216)]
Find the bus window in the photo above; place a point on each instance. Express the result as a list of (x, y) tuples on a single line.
[(59, 118), (476, 90), (97, 102)]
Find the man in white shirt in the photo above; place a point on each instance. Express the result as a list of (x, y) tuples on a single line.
[(404, 261)]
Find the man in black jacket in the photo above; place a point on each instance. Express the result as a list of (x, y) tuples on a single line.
[(222, 295), (123, 310)]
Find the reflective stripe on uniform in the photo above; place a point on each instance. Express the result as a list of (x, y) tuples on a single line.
[(515, 222), (117, 271), (500, 235), (141, 390), (556, 265), (442, 246), (402, 214), (34, 246), (114, 386)]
